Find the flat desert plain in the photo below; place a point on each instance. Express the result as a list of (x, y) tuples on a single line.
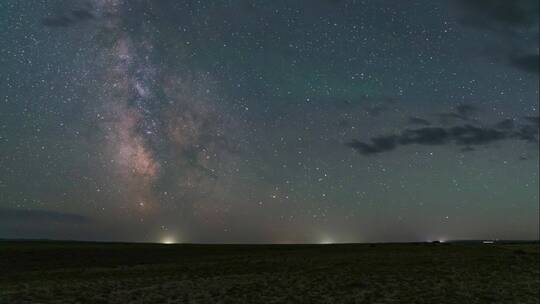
[(78, 272)]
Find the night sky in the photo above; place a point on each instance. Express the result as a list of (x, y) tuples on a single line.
[(269, 121)]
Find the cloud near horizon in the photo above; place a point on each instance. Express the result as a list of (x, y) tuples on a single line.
[(30, 216)]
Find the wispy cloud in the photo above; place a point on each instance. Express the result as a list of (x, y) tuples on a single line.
[(466, 136)]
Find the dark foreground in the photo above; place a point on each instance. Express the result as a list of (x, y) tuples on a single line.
[(64, 272)]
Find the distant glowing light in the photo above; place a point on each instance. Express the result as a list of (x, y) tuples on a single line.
[(168, 240), (326, 240)]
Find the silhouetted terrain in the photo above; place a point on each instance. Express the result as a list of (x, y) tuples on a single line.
[(73, 272)]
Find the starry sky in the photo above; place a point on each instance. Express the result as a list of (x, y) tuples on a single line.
[(278, 121)]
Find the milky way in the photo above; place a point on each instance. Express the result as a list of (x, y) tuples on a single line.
[(167, 141), (269, 121)]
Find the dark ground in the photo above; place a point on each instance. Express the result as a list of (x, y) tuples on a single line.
[(74, 272)]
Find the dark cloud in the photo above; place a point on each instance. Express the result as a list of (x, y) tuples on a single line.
[(530, 131), (45, 224), (449, 118), (33, 216), (511, 19), (466, 110), (419, 121), (467, 149), (533, 119), (71, 18), (527, 133), (462, 112), (506, 124), (466, 136), (471, 135), (529, 63), (497, 14), (335, 1), (424, 136), (378, 145)]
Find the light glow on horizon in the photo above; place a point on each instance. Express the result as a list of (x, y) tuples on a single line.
[(168, 240)]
